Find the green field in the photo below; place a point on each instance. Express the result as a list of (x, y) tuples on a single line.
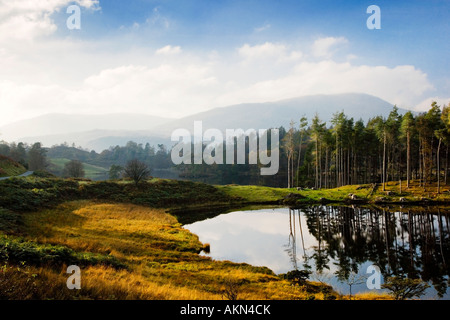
[(92, 172)]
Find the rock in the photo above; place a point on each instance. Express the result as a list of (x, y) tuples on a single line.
[(402, 199), (292, 198)]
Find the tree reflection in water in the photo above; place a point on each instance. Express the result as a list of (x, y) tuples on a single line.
[(412, 242)]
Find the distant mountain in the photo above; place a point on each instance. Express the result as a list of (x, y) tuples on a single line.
[(99, 140), (63, 124), (99, 132), (280, 113)]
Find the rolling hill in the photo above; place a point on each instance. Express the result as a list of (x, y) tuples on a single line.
[(9, 167), (91, 172)]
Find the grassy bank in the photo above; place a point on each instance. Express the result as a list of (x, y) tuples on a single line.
[(153, 258), (130, 247), (394, 193)]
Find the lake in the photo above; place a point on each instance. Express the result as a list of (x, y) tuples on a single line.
[(337, 244)]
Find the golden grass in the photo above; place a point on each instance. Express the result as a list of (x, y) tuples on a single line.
[(161, 257), (369, 296)]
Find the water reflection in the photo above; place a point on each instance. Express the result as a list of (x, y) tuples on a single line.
[(413, 244), (338, 242)]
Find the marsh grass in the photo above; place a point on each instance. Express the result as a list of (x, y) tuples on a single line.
[(160, 257), (153, 256)]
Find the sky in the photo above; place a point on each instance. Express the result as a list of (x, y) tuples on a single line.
[(174, 58)]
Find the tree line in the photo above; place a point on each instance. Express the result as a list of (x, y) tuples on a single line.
[(316, 154), (400, 147), (313, 153), (33, 157)]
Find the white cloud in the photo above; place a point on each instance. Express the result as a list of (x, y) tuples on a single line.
[(401, 85), (88, 77), (263, 28), (325, 47), (425, 105), (29, 19), (275, 52), (165, 90), (168, 50), (157, 19)]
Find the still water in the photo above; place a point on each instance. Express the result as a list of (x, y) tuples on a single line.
[(337, 244)]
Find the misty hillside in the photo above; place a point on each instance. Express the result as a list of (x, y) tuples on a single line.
[(280, 113), (99, 132), (60, 124), (99, 140)]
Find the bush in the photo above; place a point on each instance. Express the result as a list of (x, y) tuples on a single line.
[(405, 288), (9, 221), (19, 194), (43, 174), (17, 250), (297, 277)]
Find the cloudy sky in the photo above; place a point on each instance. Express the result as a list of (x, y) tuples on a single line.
[(177, 57)]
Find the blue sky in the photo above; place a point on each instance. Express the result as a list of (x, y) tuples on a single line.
[(178, 57), (411, 30)]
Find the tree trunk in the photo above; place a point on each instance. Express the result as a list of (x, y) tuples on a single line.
[(384, 162), (408, 158), (446, 166), (317, 164), (289, 170), (438, 173), (337, 162), (299, 154)]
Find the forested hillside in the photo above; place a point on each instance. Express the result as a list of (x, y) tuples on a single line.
[(313, 153)]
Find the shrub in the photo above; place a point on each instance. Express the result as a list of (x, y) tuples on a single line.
[(20, 194), (18, 250), (9, 221), (297, 277), (405, 288)]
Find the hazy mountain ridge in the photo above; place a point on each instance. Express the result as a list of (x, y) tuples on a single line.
[(280, 113), (99, 132), (59, 124)]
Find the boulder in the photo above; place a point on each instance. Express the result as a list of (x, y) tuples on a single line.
[(292, 198)]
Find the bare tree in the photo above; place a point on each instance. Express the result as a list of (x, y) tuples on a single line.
[(289, 146), (353, 280), (74, 168), (136, 170), (303, 125)]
